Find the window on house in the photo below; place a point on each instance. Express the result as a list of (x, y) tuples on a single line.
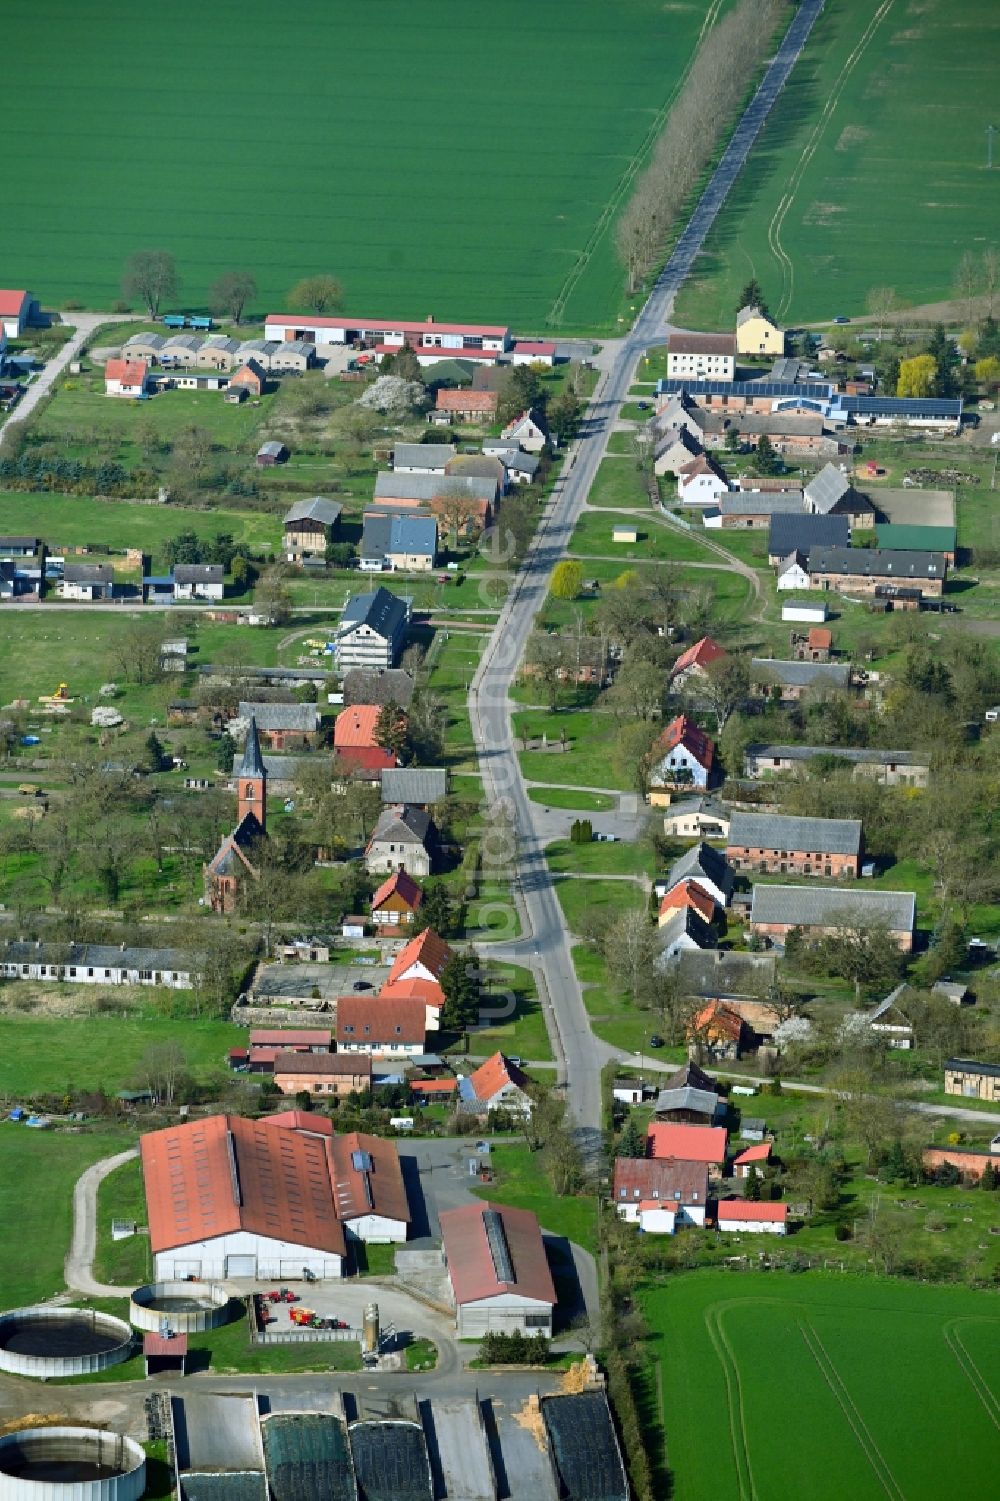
[(536, 1321), (677, 1194)]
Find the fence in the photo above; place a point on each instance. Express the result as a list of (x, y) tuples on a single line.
[(301, 1336)]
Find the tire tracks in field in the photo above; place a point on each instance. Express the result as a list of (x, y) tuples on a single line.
[(774, 229), (734, 1399), (971, 1371), (847, 1405), (628, 177)]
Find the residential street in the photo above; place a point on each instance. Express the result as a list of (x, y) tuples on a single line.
[(489, 703)]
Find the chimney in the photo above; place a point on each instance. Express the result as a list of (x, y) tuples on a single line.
[(430, 317)]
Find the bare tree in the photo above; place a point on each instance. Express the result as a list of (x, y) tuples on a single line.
[(967, 281), (881, 302), (991, 276), (152, 276), (630, 948), (161, 1068), (231, 293)]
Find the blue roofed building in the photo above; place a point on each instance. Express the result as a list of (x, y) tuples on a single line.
[(398, 542)]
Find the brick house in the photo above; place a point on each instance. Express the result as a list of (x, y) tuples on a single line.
[(781, 845), (776, 910), (862, 570), (329, 1074), (283, 726), (467, 406)]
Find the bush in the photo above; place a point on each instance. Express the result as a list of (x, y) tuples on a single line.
[(514, 1349)]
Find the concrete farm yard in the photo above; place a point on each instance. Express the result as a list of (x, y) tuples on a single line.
[(855, 1359), (871, 170), (348, 168)]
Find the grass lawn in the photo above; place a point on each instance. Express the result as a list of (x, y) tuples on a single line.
[(521, 1182), (43, 1054), (619, 485), (37, 1172), (493, 912), (421, 1355), (656, 543), (732, 1349), (373, 1261), (586, 761), (569, 797), (815, 214), (122, 1263), (514, 1015), (599, 858), (380, 149)]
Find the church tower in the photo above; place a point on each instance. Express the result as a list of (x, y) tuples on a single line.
[(251, 782)]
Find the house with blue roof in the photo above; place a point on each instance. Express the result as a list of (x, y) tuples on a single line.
[(397, 543)]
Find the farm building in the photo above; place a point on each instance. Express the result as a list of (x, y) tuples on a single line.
[(970, 1163), (676, 448), (439, 493), (972, 1080), (396, 901), (895, 537), (701, 356), (756, 1157), (297, 356), (752, 510), (790, 681), (403, 838), (421, 786), (686, 894), (681, 929), (467, 406), (830, 493), (776, 910), (308, 526), (718, 1031), (15, 313), (757, 333), (99, 964), (705, 1145), (282, 726), (497, 1084), (217, 353), (250, 377), (893, 768), (800, 533), (470, 340), (498, 1270), (372, 631), (797, 846), (691, 1097), (143, 347), (128, 378), (271, 453), (734, 1215), (422, 458), (660, 1194), (329, 1074), (379, 685), (860, 570)]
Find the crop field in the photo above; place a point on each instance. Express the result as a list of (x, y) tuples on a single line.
[(871, 170), (825, 1386), (463, 160)]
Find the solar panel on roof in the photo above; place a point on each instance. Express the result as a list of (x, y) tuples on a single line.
[(496, 1236)]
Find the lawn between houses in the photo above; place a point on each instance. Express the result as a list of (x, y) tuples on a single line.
[(823, 1386)]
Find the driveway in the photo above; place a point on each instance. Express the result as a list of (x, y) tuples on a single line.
[(78, 1269), (84, 324)]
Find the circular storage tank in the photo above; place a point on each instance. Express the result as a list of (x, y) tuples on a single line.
[(70, 1464), (188, 1306), (51, 1342)]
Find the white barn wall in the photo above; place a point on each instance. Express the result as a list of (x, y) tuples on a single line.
[(207, 1259)]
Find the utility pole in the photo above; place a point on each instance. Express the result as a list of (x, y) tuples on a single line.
[(991, 131)]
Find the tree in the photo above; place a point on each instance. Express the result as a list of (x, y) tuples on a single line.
[(637, 691), (864, 954), (390, 731), (317, 294), (752, 1192), (630, 756), (521, 390), (564, 416), (752, 296), (151, 275), (161, 1068), (766, 459), (990, 1179), (567, 580), (942, 350), (987, 372), (725, 685), (404, 364), (456, 508), (630, 947), (155, 756), (460, 983), (991, 276), (733, 441), (881, 302), (231, 293), (271, 597), (917, 376), (437, 910), (632, 1141), (138, 649), (967, 280)]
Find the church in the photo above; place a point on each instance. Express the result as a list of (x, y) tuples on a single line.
[(233, 861)]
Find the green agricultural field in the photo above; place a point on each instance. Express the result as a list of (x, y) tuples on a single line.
[(871, 170), (42, 1054), (385, 163), (79, 521), (810, 1386)]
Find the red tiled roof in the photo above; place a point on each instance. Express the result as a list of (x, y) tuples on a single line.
[(384, 1193), (371, 1019), (433, 1086), (426, 949), (291, 1037), (356, 725), (402, 885), (681, 731), (250, 374), (428, 991), (698, 655), (158, 1344), (467, 401), (745, 1209), (127, 372), (223, 1174), (820, 637), (686, 1143), (323, 1063), (717, 1020), (490, 1077), (303, 1120), (688, 893), (11, 303), (759, 1152), (643, 1177), (367, 757), (470, 1261)]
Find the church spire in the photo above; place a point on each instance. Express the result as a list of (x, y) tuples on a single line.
[(253, 761)]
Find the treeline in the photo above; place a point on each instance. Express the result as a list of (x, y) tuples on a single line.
[(722, 71)]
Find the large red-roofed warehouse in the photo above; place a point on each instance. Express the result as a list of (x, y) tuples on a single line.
[(498, 1269)]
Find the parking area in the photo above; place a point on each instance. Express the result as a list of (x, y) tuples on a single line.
[(346, 1302)]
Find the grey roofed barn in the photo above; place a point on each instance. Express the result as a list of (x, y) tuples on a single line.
[(327, 512), (423, 455), (303, 718), (427, 487), (827, 487), (776, 831), (801, 674), (414, 784), (761, 503), (100, 956), (704, 860), (801, 533), (818, 906), (873, 562), (857, 755)]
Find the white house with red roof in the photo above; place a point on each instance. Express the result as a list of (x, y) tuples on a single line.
[(701, 482), (15, 312), (416, 975), (498, 1270), (683, 756), (497, 1084), (694, 662), (704, 1144), (529, 431), (660, 1194), (756, 1156), (126, 378), (687, 894), (752, 1218)]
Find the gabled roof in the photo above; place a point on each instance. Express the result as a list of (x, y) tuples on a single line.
[(224, 1174), (828, 906), (414, 784), (381, 611), (800, 533), (753, 310), (687, 1143), (326, 512), (761, 503), (777, 831), (11, 303), (495, 1074), (900, 537), (685, 922), (826, 488), (356, 725), (801, 674), (303, 718), (483, 402), (702, 860), (660, 1178), (682, 731), (689, 894), (432, 456), (402, 824), (387, 536), (701, 344), (289, 1038), (199, 573), (717, 1020), (399, 884), (127, 372), (492, 1250), (376, 1020), (872, 562), (367, 1178), (747, 1209), (428, 487), (759, 1152), (323, 1065), (699, 655), (700, 1101), (973, 1066), (690, 1075), (859, 754), (426, 949)]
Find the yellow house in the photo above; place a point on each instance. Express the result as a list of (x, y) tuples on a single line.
[(756, 334)]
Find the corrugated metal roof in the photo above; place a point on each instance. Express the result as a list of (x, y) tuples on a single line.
[(777, 831), (414, 784)]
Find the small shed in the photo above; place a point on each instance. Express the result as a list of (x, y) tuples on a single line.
[(624, 534), (271, 453), (165, 1354)]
